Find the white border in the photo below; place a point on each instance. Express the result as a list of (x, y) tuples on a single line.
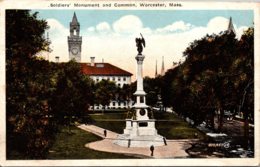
[(37, 4)]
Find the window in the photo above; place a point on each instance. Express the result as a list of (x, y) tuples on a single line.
[(97, 79), (114, 79), (124, 79), (119, 85), (119, 79), (114, 103)]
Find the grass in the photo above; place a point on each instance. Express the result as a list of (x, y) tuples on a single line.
[(172, 127), (112, 121), (71, 146), (167, 124), (109, 116)]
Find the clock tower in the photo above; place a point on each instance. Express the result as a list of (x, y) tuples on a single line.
[(74, 40)]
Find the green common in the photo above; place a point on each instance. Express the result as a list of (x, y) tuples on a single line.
[(72, 146), (168, 125)]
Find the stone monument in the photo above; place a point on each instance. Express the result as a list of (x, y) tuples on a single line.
[(140, 130)]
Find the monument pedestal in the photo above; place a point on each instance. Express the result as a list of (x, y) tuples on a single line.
[(139, 134)]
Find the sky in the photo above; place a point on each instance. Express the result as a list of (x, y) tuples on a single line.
[(109, 35)]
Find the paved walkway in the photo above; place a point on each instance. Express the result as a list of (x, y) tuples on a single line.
[(173, 149)]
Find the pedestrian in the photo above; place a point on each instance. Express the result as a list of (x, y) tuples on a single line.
[(129, 142), (152, 149), (164, 140), (105, 133)]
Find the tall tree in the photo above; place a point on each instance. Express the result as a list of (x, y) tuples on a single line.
[(29, 129), (244, 80)]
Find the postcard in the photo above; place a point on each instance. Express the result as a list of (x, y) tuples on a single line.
[(129, 83)]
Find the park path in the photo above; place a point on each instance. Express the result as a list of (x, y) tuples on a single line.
[(173, 149)]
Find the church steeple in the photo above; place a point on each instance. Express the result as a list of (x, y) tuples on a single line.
[(156, 74), (230, 26), (162, 70)]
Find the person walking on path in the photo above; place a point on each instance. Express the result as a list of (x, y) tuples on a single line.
[(164, 140), (105, 133), (129, 142), (152, 149)]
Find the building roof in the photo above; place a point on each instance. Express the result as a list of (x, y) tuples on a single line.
[(103, 69), (74, 20)]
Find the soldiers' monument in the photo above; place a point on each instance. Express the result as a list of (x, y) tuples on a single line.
[(140, 129)]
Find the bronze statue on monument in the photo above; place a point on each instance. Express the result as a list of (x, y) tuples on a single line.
[(140, 43)]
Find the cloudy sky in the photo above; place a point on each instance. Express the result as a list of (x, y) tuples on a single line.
[(110, 34)]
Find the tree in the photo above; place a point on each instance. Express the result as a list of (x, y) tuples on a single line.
[(24, 35), (73, 93), (216, 75), (244, 81), (125, 93), (152, 88), (105, 91), (30, 130), (215, 54)]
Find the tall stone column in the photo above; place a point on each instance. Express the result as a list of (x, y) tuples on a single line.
[(140, 90), (139, 75)]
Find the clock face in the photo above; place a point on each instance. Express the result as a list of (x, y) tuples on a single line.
[(74, 51), (142, 112)]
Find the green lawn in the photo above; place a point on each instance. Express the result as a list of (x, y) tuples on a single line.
[(167, 124), (71, 146), (112, 121), (172, 127), (108, 116)]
